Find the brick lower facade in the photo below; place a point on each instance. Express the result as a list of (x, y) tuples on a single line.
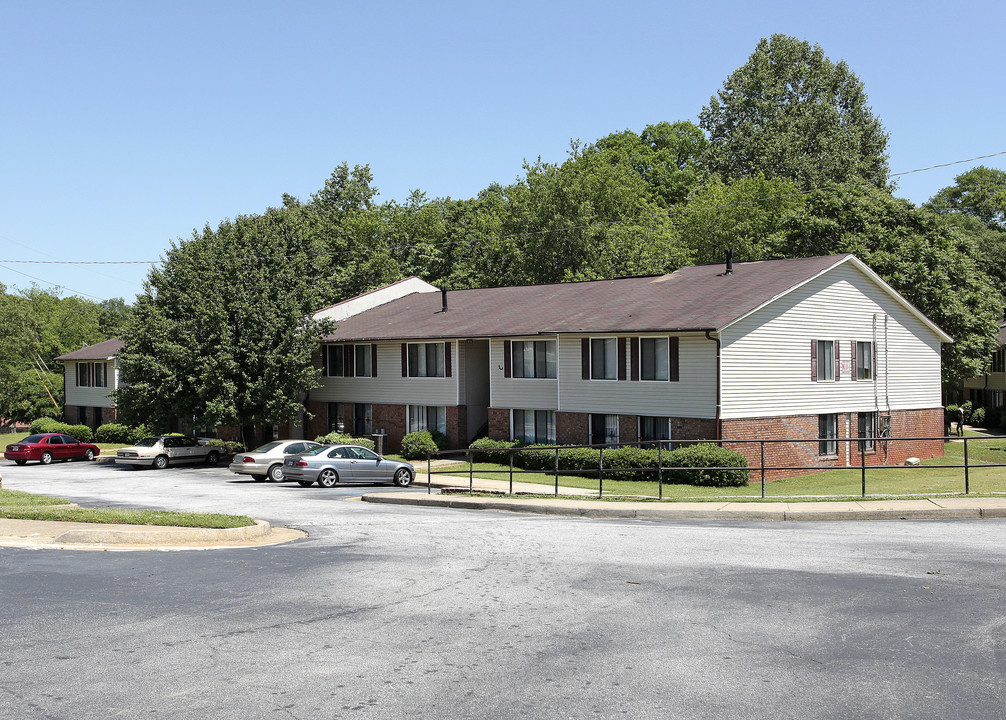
[(802, 446), (93, 417)]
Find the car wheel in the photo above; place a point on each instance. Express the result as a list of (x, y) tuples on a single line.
[(213, 457), (258, 478), (20, 462), (403, 478), (328, 478), (305, 483), (276, 473), (160, 462), (89, 454), (46, 458)]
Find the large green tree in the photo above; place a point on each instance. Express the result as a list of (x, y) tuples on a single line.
[(790, 112), (223, 334)]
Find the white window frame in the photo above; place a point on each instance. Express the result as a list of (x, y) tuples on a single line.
[(610, 429), (417, 418), (613, 353), (826, 360), (528, 353), (421, 351), (657, 370), (864, 360), (827, 444), (639, 427), (867, 443), (537, 418)]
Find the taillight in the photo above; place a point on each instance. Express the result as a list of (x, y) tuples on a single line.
[(247, 459), (302, 463)]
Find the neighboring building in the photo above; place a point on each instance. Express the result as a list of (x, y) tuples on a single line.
[(989, 390), (818, 348), (89, 377)]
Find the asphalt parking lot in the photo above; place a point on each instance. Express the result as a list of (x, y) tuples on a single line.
[(387, 611)]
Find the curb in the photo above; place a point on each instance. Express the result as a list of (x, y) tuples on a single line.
[(178, 535), (714, 511)]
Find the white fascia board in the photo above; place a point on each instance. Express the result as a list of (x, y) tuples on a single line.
[(374, 298), (894, 294)]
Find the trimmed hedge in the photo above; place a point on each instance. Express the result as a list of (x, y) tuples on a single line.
[(114, 433), (229, 447), (416, 445), (494, 451), (705, 455), (337, 438), (81, 433)]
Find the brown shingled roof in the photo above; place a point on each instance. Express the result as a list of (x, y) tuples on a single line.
[(98, 351), (698, 297)]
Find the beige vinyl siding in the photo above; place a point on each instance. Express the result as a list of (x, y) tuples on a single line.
[(693, 395), (389, 387), (89, 396), (522, 393), (458, 370), (766, 360)]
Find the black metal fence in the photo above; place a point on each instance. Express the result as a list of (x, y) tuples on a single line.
[(882, 447)]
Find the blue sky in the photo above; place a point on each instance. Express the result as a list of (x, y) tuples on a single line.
[(127, 125)]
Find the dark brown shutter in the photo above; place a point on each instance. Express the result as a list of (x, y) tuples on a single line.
[(672, 347), (405, 359), (852, 359), (585, 358), (507, 359), (324, 360), (447, 358), (349, 360), (621, 358), (634, 358), (838, 360), (813, 360), (373, 361)]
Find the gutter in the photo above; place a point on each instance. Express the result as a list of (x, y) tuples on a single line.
[(719, 389)]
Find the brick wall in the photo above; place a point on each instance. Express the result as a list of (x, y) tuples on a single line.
[(801, 448), (457, 426), (693, 428), (572, 428), (317, 425), (628, 428), (499, 424), (392, 419)]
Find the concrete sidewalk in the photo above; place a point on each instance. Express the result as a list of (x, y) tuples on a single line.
[(926, 509), (94, 536)]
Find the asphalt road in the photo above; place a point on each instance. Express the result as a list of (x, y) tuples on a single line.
[(393, 612)]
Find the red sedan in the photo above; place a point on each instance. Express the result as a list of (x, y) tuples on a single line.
[(47, 447)]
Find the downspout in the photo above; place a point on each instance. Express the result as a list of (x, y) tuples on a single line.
[(719, 389)]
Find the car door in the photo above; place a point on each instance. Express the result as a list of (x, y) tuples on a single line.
[(54, 446), (368, 465), (342, 461), (71, 448)]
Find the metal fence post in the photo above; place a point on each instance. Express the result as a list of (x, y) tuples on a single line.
[(763, 468), (862, 464), (600, 472), (967, 476), (557, 472), (429, 474), (471, 480), (660, 471), (510, 453)]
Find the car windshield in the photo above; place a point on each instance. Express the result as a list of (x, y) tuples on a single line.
[(33, 439), (314, 451), (267, 447), (148, 442)]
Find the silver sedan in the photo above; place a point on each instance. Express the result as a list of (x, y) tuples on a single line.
[(331, 464), (267, 461)]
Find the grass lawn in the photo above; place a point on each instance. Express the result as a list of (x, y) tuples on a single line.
[(17, 505), (884, 481)]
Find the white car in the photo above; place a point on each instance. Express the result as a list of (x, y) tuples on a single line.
[(160, 451), (267, 461)]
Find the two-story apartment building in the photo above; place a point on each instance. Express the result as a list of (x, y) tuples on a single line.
[(806, 348), (989, 390), (89, 377)]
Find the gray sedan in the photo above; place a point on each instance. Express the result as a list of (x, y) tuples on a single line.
[(331, 464), (267, 461)]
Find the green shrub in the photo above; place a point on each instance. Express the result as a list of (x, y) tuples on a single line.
[(44, 425), (139, 432), (978, 417), (416, 445), (705, 455), (495, 451), (532, 457), (337, 438), (967, 411), (114, 433), (81, 433), (633, 462), (229, 447)]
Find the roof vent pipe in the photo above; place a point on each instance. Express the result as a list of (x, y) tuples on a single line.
[(730, 263), (443, 297)]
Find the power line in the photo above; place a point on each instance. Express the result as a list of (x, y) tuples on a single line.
[(407, 246), (55, 285)]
